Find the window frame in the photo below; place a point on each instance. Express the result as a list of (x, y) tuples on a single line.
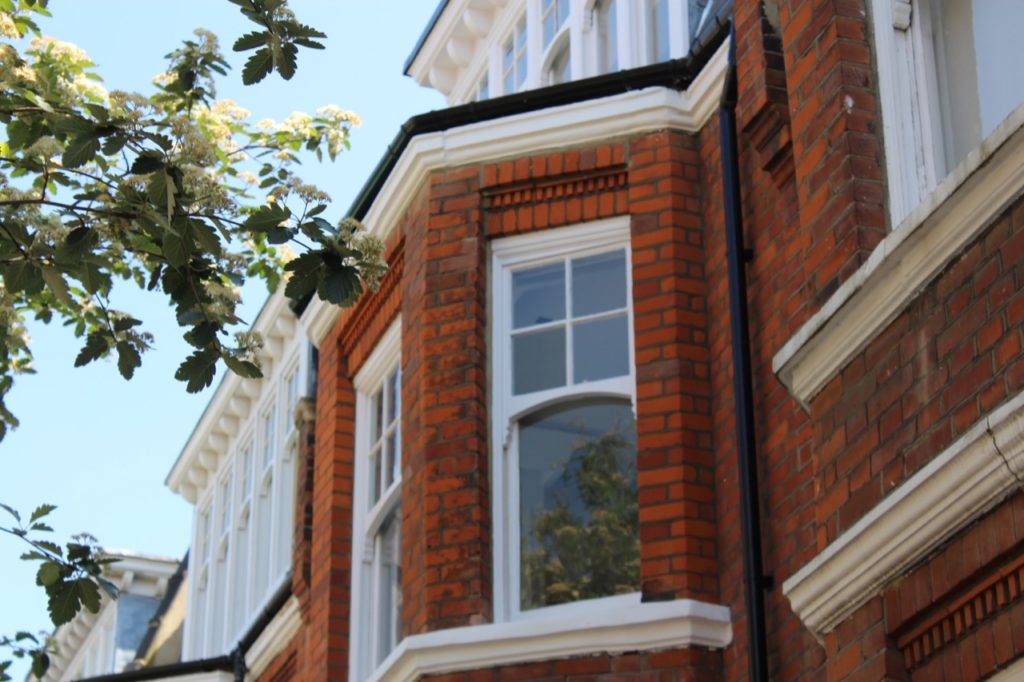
[(367, 519), (913, 99), (507, 256), (214, 622)]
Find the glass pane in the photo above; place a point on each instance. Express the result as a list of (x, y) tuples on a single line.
[(375, 476), (376, 416), (387, 467), (579, 536), (538, 360), (611, 38), (661, 24), (269, 437), (521, 69), (246, 473), (507, 55), (560, 71), (598, 283), (550, 25), (600, 349), (538, 295), (394, 396), (521, 34), (394, 458), (389, 588)]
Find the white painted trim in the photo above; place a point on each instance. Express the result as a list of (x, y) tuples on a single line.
[(646, 627), (963, 482), (274, 638), (906, 261), (571, 125)]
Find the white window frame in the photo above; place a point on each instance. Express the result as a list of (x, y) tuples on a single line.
[(520, 25), (918, 144), (644, 50), (596, 47), (212, 625), (508, 255), (366, 521)]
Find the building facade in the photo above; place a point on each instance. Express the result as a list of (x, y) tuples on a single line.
[(525, 456)]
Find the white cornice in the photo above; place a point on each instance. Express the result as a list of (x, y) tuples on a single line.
[(274, 638), (972, 475), (906, 261), (643, 627), (233, 401), (453, 41), (561, 127)]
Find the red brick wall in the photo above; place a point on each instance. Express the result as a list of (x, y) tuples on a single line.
[(675, 465), (957, 616), (446, 539), (952, 356)]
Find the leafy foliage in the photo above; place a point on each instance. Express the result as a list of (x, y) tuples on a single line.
[(277, 45), (71, 575), (589, 550), (178, 193)]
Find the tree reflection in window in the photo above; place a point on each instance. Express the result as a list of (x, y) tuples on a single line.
[(579, 536)]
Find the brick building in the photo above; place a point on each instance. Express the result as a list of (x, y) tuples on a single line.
[(566, 440)]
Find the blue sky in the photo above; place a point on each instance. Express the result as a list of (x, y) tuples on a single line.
[(100, 447)]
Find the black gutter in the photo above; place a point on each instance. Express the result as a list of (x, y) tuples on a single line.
[(232, 663), (676, 74), (224, 663), (750, 515)]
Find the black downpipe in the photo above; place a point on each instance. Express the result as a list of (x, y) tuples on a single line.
[(750, 514)]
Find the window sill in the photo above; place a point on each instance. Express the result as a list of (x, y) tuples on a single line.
[(949, 219), (644, 627)]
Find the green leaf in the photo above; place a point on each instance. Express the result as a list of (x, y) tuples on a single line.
[(206, 237), (96, 346), (127, 359), (89, 593), (243, 368), (51, 547), (251, 40), (22, 636), (198, 370), (174, 250), (285, 61), (40, 663), (340, 286), (147, 162), (259, 64), (109, 587), (41, 511), (202, 335), (12, 511), (48, 574), (267, 218), (41, 527), (24, 276), (306, 270), (56, 283), (125, 323), (63, 603), (81, 150)]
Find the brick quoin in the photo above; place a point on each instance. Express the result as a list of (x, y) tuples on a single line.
[(446, 537), (675, 468)]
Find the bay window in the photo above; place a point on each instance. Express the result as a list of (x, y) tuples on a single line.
[(565, 507), (376, 545), (242, 549)]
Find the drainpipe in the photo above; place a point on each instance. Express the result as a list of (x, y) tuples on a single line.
[(750, 521)]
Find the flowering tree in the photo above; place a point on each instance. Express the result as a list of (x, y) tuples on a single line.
[(176, 192)]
